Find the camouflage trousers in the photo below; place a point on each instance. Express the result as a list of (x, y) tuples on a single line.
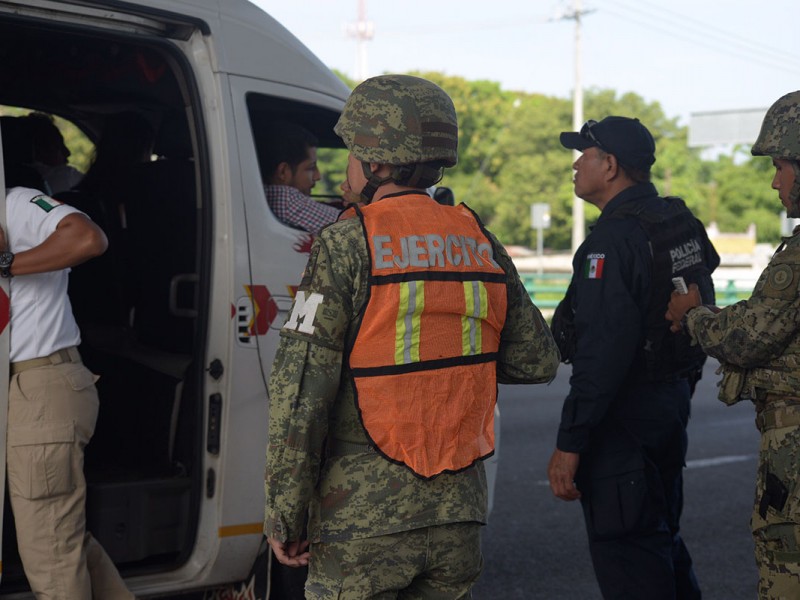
[(776, 515), (432, 563)]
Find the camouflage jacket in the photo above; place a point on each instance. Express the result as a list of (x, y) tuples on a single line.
[(758, 340), (355, 495)]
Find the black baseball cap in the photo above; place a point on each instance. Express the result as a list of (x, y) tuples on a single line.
[(625, 138)]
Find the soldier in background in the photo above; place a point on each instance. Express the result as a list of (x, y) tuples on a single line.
[(378, 422), (757, 341)]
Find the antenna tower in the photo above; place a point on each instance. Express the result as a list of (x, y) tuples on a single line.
[(363, 31)]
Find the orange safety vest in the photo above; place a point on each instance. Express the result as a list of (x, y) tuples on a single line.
[(424, 357)]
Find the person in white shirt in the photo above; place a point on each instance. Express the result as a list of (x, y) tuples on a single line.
[(53, 402)]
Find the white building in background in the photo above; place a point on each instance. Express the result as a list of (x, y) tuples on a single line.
[(735, 249)]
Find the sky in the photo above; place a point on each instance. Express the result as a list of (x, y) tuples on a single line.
[(691, 56)]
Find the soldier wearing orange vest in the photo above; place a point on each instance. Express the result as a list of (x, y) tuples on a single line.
[(383, 390)]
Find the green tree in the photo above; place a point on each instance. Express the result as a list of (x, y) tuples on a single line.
[(332, 162), (745, 197), (510, 157), (482, 109)]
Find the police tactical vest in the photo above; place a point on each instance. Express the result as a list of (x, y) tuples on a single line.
[(424, 358), (680, 248)]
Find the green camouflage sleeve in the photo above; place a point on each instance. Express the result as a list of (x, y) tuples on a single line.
[(752, 332), (302, 387), (528, 352)]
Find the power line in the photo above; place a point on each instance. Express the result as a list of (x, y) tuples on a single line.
[(521, 22), (647, 14), (705, 37), (707, 29)]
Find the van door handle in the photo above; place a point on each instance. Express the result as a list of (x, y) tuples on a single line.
[(174, 284)]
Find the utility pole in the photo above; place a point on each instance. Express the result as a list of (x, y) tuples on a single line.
[(363, 31), (578, 221)]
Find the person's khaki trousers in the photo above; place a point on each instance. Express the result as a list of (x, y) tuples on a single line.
[(52, 413)]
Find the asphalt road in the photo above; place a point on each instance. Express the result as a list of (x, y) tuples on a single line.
[(535, 545)]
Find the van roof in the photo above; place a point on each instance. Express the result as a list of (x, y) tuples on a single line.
[(246, 40), (240, 28)]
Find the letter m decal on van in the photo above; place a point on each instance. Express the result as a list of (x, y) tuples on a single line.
[(303, 312)]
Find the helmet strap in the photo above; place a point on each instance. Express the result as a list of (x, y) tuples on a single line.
[(794, 193), (373, 182), (414, 176), (419, 175)]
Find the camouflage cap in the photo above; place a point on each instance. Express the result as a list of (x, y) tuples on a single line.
[(780, 131), (400, 120)]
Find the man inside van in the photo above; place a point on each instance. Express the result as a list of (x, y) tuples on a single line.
[(50, 154), (52, 400), (288, 162)]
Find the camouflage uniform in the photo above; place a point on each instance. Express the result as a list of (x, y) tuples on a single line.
[(757, 342), (376, 529), (349, 491)]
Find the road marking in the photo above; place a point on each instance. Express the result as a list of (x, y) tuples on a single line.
[(719, 460)]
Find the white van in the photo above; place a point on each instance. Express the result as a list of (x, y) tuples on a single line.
[(175, 469)]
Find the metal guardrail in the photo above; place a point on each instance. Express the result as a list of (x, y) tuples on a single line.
[(547, 289)]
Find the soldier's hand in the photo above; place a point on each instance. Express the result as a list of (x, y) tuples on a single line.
[(679, 304), (561, 473), (291, 554), (349, 197)]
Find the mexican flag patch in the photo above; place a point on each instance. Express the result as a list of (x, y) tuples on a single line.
[(46, 203), (593, 269)]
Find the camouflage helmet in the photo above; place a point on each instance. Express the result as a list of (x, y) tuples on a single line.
[(400, 120), (780, 131)]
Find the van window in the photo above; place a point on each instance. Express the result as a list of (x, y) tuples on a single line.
[(267, 112)]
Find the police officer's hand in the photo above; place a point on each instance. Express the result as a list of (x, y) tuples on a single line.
[(679, 304), (291, 554), (561, 473)]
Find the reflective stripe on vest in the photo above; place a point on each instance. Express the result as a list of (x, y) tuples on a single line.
[(412, 302), (423, 360)]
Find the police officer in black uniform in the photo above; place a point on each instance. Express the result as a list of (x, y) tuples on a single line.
[(622, 439)]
